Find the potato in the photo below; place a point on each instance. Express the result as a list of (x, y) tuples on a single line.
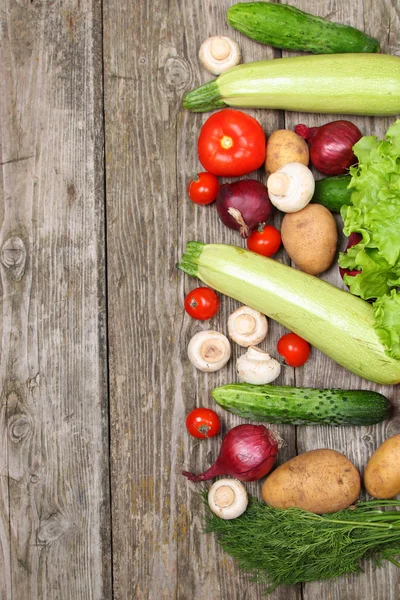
[(310, 238), (285, 146), (382, 473), (320, 481)]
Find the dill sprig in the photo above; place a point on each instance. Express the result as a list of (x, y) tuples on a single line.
[(291, 546)]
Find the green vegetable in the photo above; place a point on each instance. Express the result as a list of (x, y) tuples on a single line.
[(290, 546), (332, 192), (302, 406), (374, 212), (331, 319), (363, 84), (284, 26)]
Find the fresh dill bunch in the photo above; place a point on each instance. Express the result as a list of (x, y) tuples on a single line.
[(291, 546)]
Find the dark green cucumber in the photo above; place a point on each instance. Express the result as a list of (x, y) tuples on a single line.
[(333, 192), (284, 26), (302, 406)]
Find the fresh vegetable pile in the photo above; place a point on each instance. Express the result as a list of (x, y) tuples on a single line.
[(309, 524)]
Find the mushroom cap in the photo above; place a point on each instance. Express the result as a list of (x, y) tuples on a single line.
[(247, 327), (291, 187), (257, 367), (219, 53), (228, 498), (209, 350)]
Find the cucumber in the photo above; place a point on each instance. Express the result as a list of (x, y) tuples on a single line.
[(302, 406), (283, 26), (333, 192)]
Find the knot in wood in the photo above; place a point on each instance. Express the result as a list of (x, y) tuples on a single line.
[(176, 73), (52, 529), (19, 427), (13, 257)]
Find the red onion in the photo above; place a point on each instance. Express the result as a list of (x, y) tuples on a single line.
[(247, 453), (353, 240), (331, 145), (243, 205)]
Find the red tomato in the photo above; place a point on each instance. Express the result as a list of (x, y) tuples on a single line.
[(203, 188), (201, 303), (294, 349), (203, 423), (231, 144), (265, 241)]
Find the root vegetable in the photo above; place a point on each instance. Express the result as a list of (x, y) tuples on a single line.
[(310, 238), (243, 205), (283, 147), (320, 481), (382, 474)]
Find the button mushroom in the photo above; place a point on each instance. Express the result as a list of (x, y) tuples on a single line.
[(227, 498), (209, 350), (291, 187), (257, 366), (247, 327), (219, 53)]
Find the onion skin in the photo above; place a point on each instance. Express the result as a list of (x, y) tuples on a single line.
[(247, 453), (243, 205), (331, 145), (353, 240)]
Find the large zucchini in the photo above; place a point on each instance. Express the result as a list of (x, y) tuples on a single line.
[(284, 26), (363, 84), (338, 323), (302, 406)]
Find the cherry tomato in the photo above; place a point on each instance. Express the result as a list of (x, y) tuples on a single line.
[(203, 423), (231, 143), (294, 349), (201, 303), (265, 241), (203, 188)]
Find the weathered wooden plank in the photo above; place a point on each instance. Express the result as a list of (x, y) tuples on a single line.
[(158, 544), (54, 508), (380, 20)]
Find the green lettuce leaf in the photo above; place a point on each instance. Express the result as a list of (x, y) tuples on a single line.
[(374, 212), (387, 319)]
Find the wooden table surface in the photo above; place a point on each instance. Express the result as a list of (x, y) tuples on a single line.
[(96, 152)]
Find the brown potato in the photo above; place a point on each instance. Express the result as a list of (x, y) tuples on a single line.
[(320, 481), (310, 238), (285, 146), (382, 474)]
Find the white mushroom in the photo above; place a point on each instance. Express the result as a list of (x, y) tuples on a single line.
[(227, 498), (247, 327), (219, 53), (257, 366), (209, 350), (291, 187)]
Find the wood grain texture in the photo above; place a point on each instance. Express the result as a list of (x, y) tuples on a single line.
[(380, 20), (54, 507), (159, 549)]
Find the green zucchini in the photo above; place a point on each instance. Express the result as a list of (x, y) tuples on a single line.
[(332, 320), (303, 406), (333, 192), (283, 26), (358, 84)]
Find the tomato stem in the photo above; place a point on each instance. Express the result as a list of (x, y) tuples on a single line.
[(226, 142)]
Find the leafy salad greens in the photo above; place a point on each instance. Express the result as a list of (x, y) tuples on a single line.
[(374, 213)]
